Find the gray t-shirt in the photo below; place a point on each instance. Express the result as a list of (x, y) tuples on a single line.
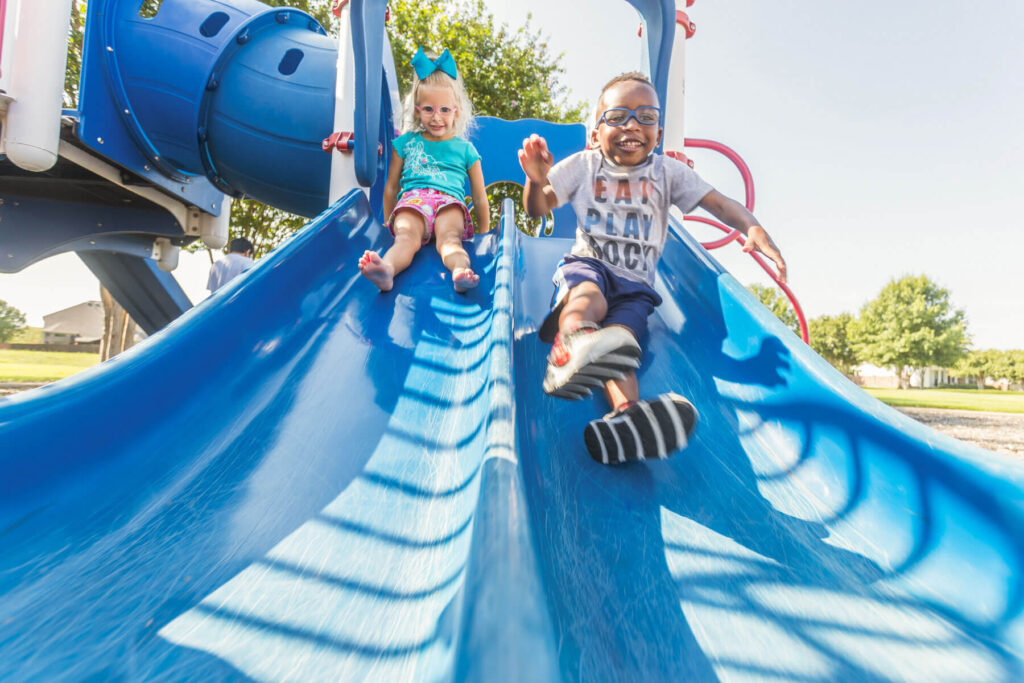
[(226, 269), (622, 211)]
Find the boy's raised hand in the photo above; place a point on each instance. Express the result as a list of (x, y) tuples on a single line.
[(535, 159)]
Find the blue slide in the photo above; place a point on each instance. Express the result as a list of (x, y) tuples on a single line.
[(345, 485), (304, 479)]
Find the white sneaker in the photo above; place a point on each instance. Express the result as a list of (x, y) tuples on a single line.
[(645, 430), (587, 357)]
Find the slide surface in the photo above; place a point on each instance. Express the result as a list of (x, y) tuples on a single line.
[(304, 479)]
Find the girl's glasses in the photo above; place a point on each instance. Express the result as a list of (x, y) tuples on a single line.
[(619, 116), (430, 111)]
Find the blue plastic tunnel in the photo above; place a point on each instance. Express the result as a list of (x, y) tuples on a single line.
[(187, 78)]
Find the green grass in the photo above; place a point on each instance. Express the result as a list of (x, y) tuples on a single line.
[(956, 399), (42, 366)]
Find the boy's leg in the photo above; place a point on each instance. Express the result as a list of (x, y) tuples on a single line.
[(584, 303), (623, 392), (381, 271), (637, 429), (448, 229), (585, 356)]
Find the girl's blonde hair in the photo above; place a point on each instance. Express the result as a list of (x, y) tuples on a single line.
[(463, 122)]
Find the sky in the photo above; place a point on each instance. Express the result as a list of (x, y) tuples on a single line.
[(885, 139)]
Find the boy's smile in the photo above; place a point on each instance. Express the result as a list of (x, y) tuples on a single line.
[(631, 143)]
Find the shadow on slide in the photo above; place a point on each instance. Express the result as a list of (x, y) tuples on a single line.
[(808, 533), (303, 478), (281, 484)]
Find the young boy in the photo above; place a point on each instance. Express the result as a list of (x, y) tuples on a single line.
[(621, 194)]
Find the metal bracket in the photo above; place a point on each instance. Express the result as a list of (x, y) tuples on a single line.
[(343, 141)]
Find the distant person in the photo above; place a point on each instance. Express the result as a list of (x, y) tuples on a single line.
[(237, 261), (621, 193), (425, 189)]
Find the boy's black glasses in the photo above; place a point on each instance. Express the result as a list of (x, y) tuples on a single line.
[(646, 116)]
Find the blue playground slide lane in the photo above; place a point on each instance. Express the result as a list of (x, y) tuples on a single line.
[(303, 478)]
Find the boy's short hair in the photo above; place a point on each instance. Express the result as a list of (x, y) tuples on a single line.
[(240, 245), (628, 76)]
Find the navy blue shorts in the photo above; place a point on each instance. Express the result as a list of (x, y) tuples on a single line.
[(630, 303)]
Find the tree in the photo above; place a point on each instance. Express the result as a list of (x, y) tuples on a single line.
[(509, 74), (118, 327), (76, 36), (778, 304), (998, 365), (12, 321), (911, 324), (1015, 365), (977, 365), (829, 336)]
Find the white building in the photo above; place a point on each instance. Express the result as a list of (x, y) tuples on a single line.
[(81, 324), (868, 375)]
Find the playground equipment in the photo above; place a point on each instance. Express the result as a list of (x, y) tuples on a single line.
[(372, 486)]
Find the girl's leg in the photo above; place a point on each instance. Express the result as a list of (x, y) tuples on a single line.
[(381, 271), (448, 228)]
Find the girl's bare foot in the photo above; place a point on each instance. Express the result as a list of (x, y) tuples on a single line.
[(464, 279), (377, 271)]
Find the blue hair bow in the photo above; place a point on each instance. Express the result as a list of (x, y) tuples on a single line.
[(425, 66)]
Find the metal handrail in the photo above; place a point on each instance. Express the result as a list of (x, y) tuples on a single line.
[(734, 235)]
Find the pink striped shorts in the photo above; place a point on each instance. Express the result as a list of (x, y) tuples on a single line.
[(428, 203)]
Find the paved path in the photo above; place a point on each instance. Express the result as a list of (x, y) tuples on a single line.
[(1000, 432), (7, 388)]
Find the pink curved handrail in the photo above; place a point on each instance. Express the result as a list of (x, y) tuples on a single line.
[(735, 235), (736, 159)]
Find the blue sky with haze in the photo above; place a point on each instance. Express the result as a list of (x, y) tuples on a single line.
[(884, 138)]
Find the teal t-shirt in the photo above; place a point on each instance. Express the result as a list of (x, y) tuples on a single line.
[(429, 164)]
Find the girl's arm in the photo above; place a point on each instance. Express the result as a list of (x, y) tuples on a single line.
[(735, 215), (393, 184), (479, 192)]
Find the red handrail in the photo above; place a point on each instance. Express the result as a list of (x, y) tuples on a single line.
[(736, 159), (735, 235)]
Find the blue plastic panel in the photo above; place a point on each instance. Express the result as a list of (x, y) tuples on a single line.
[(660, 18), (167, 56), (152, 297), (32, 229), (262, 125), (499, 141)]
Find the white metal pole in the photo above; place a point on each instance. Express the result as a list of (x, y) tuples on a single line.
[(32, 124), (8, 9), (343, 168), (675, 94)]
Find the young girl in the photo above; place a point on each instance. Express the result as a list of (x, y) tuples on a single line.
[(427, 177)]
